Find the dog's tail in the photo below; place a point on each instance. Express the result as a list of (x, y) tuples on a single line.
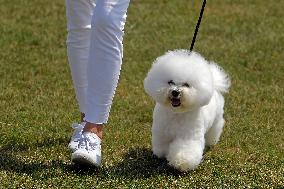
[(221, 80)]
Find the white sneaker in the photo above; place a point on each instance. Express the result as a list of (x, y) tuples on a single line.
[(77, 134), (88, 151)]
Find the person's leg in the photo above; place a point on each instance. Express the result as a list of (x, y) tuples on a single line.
[(105, 58), (104, 61), (79, 14)]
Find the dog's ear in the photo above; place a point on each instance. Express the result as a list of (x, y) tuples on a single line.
[(149, 83), (205, 92)]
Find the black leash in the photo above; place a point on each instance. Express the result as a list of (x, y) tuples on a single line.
[(197, 25)]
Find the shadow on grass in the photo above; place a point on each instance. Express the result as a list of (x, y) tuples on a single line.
[(11, 161), (141, 163), (137, 163)]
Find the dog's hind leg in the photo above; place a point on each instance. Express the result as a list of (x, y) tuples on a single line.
[(213, 134)]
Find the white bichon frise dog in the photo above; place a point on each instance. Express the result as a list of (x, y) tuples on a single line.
[(189, 106)]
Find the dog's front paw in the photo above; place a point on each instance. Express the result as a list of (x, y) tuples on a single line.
[(184, 162), (160, 153)]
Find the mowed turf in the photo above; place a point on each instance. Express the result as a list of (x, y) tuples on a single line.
[(37, 101)]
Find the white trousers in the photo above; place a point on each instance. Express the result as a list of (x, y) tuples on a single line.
[(94, 49)]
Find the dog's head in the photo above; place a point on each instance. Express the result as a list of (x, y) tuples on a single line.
[(180, 80)]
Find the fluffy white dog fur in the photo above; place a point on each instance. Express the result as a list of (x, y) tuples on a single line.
[(189, 106)]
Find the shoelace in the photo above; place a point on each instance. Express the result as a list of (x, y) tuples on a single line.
[(85, 142)]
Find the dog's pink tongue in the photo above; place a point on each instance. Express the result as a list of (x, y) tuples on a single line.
[(175, 102)]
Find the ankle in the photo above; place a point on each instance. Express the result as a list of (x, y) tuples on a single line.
[(94, 128)]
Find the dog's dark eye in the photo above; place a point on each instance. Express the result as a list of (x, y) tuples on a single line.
[(186, 85), (171, 82)]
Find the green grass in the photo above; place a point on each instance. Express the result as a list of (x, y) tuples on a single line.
[(38, 105)]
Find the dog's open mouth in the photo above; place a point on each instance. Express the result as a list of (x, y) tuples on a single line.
[(175, 102)]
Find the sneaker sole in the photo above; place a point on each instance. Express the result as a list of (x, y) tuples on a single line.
[(83, 160)]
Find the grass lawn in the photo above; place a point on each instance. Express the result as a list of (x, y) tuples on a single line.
[(37, 101)]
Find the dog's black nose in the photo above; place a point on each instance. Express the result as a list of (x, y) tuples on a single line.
[(175, 93)]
